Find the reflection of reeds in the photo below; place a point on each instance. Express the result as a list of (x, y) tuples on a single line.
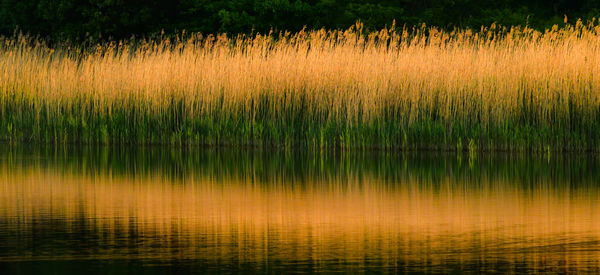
[(494, 88), (267, 166), (341, 220)]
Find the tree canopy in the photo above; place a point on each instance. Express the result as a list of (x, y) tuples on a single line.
[(117, 19)]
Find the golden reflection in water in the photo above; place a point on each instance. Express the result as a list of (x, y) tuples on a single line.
[(405, 224)]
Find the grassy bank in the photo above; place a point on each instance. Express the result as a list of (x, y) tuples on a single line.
[(503, 89)]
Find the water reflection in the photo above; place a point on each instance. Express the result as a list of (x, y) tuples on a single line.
[(133, 209)]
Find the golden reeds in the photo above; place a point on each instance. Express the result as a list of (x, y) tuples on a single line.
[(495, 88)]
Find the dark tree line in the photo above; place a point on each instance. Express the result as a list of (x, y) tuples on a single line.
[(106, 19)]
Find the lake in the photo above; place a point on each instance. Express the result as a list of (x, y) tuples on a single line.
[(154, 209)]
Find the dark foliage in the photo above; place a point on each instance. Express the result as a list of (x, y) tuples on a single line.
[(117, 19)]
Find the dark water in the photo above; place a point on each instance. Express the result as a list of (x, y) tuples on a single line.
[(153, 210)]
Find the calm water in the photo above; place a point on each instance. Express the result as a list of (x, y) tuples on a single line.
[(155, 210)]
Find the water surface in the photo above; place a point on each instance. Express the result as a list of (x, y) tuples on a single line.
[(127, 210)]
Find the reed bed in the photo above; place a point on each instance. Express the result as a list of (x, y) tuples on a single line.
[(420, 88)]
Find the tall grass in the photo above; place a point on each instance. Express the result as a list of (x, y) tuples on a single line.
[(496, 88)]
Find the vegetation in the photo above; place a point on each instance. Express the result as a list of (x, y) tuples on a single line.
[(102, 19), (496, 88)]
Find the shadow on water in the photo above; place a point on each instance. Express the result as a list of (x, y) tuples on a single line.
[(131, 210)]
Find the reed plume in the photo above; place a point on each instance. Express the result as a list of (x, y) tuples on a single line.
[(495, 88)]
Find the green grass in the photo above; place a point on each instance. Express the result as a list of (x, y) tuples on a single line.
[(265, 126)]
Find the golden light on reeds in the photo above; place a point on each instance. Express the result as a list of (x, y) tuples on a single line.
[(394, 88)]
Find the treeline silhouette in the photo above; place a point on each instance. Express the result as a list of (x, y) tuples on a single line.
[(118, 19)]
